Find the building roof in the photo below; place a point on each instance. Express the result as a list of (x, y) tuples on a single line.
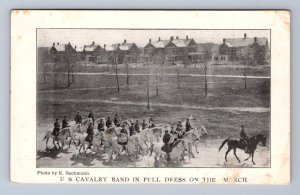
[(79, 49), (60, 47), (160, 44), (112, 47), (181, 42), (125, 46), (244, 42), (92, 47)]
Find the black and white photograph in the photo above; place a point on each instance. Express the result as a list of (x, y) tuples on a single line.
[(153, 98)]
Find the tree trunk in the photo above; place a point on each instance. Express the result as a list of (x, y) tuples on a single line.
[(118, 85), (205, 79), (127, 74), (245, 76), (156, 80), (178, 78), (69, 81), (148, 88)]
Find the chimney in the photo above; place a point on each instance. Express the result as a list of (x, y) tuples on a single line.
[(104, 46), (53, 44), (255, 39), (224, 40), (57, 43), (69, 43), (75, 47), (119, 44), (177, 37), (125, 40), (149, 40), (187, 37), (158, 38), (93, 43), (171, 38), (245, 35)]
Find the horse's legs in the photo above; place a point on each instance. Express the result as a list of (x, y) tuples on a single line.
[(196, 147), (54, 144), (253, 157), (47, 143), (234, 152), (80, 149), (248, 157), (228, 150)]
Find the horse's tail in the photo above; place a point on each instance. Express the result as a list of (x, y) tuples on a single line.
[(151, 149), (224, 142)]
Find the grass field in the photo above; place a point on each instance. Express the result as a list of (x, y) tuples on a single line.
[(226, 107)]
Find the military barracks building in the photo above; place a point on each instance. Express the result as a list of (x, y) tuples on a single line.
[(232, 50), (174, 50)]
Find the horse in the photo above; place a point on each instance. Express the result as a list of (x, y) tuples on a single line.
[(176, 154), (111, 145), (192, 138), (252, 144), (61, 137), (96, 143)]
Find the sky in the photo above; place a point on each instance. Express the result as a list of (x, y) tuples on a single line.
[(81, 37)]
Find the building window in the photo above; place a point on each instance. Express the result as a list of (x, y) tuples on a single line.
[(222, 57), (216, 57)]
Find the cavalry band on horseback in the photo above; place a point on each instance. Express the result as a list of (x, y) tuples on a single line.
[(168, 141)]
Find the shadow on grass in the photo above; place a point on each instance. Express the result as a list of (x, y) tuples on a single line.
[(51, 153)]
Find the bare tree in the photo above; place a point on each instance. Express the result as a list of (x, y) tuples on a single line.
[(117, 78), (178, 77), (246, 57), (148, 87), (127, 72)]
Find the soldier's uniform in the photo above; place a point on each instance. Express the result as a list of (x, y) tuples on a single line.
[(56, 129), (117, 121), (131, 129), (144, 125), (65, 123), (188, 126), (137, 127), (90, 134), (78, 118), (101, 126), (167, 147), (244, 138), (108, 123), (91, 115)]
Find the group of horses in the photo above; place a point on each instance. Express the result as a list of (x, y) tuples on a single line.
[(147, 140)]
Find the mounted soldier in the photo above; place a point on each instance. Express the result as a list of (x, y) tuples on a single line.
[(152, 124), (167, 147), (65, 123), (91, 115), (78, 118), (131, 129), (137, 126), (56, 128), (144, 124), (108, 122), (90, 134), (100, 126), (244, 138), (117, 120), (123, 137), (187, 125), (151, 119), (179, 130)]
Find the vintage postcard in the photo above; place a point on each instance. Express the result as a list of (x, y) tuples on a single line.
[(197, 97)]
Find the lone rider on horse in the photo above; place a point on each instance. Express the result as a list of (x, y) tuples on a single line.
[(90, 134), (137, 126), (56, 129), (244, 139), (78, 118)]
